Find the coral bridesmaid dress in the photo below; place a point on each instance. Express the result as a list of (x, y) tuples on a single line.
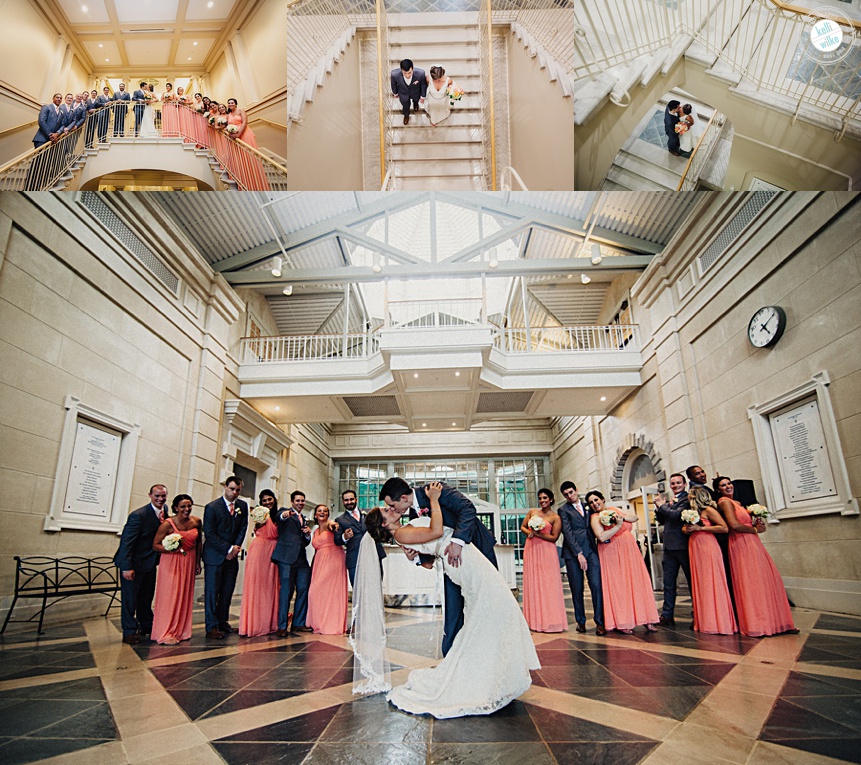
[(625, 583), (259, 612), (174, 590), (543, 601), (760, 598), (712, 605), (248, 168), (327, 595)]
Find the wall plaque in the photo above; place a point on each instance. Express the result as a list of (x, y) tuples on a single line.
[(93, 472)]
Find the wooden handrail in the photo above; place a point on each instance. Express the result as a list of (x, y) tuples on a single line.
[(696, 148), (268, 122), (780, 5), (18, 127)]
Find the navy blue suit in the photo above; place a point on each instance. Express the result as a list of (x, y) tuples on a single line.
[(104, 118), (292, 561), (577, 537), (670, 122), (221, 532), (139, 97), (121, 109), (413, 90), (50, 121), (92, 120), (458, 513), (135, 553), (346, 521), (675, 549)]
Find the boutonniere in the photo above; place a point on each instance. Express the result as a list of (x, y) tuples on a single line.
[(238, 511)]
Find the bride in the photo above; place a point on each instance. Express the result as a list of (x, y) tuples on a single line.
[(437, 103), (489, 662), (148, 123)]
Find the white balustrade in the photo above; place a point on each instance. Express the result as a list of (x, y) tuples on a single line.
[(614, 337), (263, 350), (435, 313)]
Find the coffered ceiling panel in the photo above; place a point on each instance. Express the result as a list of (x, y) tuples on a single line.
[(85, 11), (145, 11), (207, 10)]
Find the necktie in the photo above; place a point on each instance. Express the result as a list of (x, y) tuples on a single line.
[(356, 515), (231, 508), (580, 509)]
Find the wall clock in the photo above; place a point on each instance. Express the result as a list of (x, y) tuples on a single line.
[(766, 326)]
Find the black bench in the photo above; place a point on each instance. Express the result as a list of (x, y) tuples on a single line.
[(59, 578)]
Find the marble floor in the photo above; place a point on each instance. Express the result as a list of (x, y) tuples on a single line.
[(78, 696)]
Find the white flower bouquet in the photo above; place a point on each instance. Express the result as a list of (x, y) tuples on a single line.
[(758, 512), (607, 518), (259, 515), (536, 524), (173, 543), (691, 516), (221, 122), (232, 130), (211, 119)]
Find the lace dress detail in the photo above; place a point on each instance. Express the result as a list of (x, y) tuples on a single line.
[(489, 662)]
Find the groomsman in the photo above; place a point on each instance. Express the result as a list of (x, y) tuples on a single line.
[(669, 515), (92, 103), (225, 521), (137, 562), (351, 529), (50, 122), (122, 98), (104, 101), (139, 99), (580, 551), (289, 555)]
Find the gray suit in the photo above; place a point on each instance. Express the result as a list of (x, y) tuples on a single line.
[(121, 108), (413, 90), (577, 538), (675, 550)]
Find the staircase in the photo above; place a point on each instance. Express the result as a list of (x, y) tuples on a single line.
[(644, 164), (448, 156)]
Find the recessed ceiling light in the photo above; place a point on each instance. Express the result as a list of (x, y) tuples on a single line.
[(189, 58), (195, 42), (277, 408), (453, 424), (101, 46), (415, 374), (457, 374), (424, 424), (603, 398), (107, 59), (84, 8), (210, 4)]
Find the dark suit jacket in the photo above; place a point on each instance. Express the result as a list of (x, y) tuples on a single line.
[(577, 536), (415, 89), (135, 552), (670, 517), (49, 122), (290, 548), (139, 97), (221, 531), (122, 100), (670, 121), (346, 521), (458, 513)]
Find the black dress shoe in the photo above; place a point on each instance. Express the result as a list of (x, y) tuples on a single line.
[(580, 628), (215, 635), (226, 628), (600, 629), (407, 120), (131, 639), (282, 633), (302, 629), (666, 621)]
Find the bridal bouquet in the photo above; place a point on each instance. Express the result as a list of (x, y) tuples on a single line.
[(454, 93), (211, 119), (758, 512), (607, 518), (682, 127), (691, 516), (172, 543), (232, 130), (198, 108), (259, 515), (536, 524), (221, 122)]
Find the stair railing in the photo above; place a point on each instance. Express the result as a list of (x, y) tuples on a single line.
[(486, 93), (700, 154), (509, 175), (383, 89)]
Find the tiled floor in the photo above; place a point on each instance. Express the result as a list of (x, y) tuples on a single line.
[(78, 696)]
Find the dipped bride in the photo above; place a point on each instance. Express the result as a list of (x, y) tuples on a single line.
[(489, 661)]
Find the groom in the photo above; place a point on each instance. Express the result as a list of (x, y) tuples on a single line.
[(671, 119), (139, 99), (409, 84), (458, 513)]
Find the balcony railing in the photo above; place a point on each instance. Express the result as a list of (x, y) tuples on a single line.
[(44, 168), (260, 350), (614, 337), (435, 313)]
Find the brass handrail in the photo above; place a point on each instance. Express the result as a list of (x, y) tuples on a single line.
[(696, 149), (268, 122), (490, 80), (779, 4), (30, 124), (379, 9)]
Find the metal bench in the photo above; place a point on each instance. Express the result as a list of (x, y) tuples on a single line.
[(59, 578)]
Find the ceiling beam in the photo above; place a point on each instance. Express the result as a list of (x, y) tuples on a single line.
[(375, 245), (363, 274), (501, 236)]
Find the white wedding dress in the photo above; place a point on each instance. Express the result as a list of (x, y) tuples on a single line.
[(148, 123), (437, 103), (489, 662)]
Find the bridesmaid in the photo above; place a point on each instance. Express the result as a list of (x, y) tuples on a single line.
[(713, 612), (327, 595), (169, 113), (174, 589), (251, 173), (259, 611), (628, 596), (238, 117), (760, 598), (543, 601)]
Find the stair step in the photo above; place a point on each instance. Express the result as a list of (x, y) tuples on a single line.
[(423, 35), (440, 19), (632, 181), (457, 118), (441, 183), (442, 133), (466, 167), (659, 167), (443, 152)]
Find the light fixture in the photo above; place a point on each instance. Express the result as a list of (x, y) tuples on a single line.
[(277, 408), (585, 279), (288, 290), (101, 46), (424, 424), (84, 8), (570, 276), (415, 374), (376, 267), (603, 398), (210, 4), (108, 60), (457, 374), (195, 42), (454, 424), (597, 257), (493, 263), (189, 58), (276, 267)]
